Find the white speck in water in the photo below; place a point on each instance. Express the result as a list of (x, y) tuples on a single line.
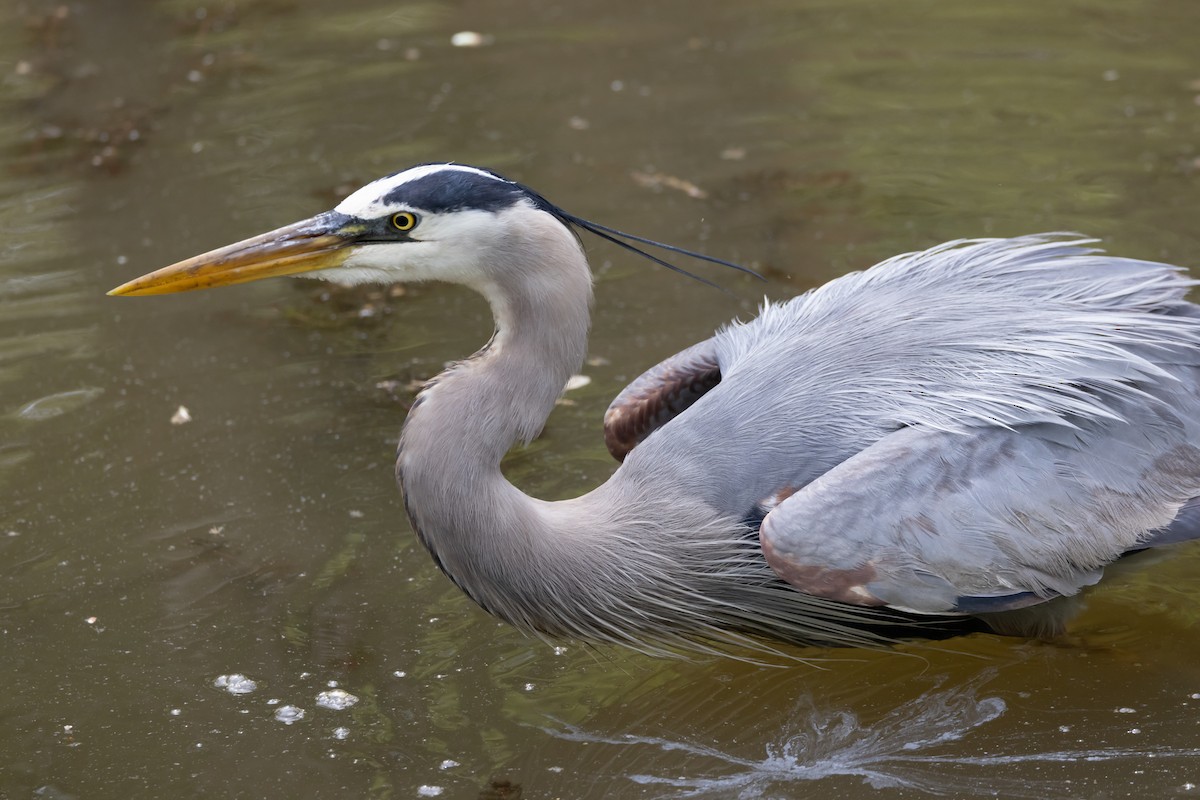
[(90, 620), (341, 733), (559, 650), (274, 701), (235, 683), (554, 769), (449, 763), (1126, 710), (181, 416), (175, 712), (429, 791), (289, 715), (1187, 787), (336, 700), (529, 687), (400, 673), (331, 684), (356, 514), (1064, 728), (1135, 730), (469, 39), (1195, 695)]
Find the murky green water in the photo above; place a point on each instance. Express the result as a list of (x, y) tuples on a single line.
[(141, 560)]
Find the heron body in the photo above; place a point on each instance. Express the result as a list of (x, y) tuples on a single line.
[(974, 430)]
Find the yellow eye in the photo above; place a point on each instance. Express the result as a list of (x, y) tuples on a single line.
[(404, 221)]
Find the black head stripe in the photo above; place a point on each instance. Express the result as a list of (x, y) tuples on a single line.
[(456, 190)]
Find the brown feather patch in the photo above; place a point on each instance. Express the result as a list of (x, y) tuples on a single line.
[(659, 395)]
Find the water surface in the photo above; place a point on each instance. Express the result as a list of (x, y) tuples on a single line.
[(143, 560)]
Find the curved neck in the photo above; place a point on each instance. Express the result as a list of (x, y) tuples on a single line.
[(481, 530)]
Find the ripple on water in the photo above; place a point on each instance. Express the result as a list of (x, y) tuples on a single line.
[(56, 405)]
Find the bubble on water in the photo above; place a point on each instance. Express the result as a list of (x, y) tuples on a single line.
[(289, 715), (336, 699), (235, 683), (425, 790), (449, 763), (341, 733)]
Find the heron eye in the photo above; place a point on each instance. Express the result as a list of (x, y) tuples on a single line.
[(404, 221)]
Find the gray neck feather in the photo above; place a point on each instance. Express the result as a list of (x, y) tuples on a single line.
[(489, 537)]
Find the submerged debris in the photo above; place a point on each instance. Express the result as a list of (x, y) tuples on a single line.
[(660, 180)]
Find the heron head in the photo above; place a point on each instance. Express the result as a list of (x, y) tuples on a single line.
[(445, 222), (432, 222)]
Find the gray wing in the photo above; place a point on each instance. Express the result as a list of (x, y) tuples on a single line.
[(990, 519), (658, 395)]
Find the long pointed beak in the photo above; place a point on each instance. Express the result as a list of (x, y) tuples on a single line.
[(317, 243)]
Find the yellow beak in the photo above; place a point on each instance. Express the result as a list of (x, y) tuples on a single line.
[(317, 243)]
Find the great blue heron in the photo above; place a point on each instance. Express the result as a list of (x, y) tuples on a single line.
[(967, 431)]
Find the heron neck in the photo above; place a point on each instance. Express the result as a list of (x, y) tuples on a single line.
[(480, 529)]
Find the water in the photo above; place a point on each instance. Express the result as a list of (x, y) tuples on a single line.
[(144, 555)]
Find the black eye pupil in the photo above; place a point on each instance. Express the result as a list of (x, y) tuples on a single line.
[(404, 221)]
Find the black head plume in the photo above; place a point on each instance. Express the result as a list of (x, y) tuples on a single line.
[(622, 239)]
